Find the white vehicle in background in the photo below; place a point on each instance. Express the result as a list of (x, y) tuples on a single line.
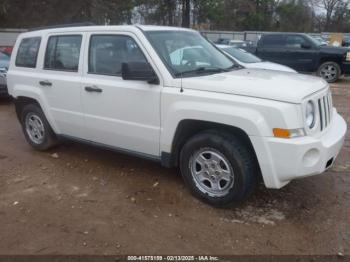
[(249, 60), (4, 64), (238, 43), (320, 40), (169, 95)]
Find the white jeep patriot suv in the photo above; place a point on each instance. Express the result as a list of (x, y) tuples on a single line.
[(169, 95)]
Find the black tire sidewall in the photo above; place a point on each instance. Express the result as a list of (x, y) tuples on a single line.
[(48, 133), (241, 175)]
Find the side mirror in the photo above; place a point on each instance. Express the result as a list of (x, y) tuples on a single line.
[(306, 46), (140, 71)]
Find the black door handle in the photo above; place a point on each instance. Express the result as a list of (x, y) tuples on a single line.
[(93, 89), (45, 83)]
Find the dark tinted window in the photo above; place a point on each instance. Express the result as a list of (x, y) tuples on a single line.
[(273, 40), (63, 53), (28, 52), (108, 52), (295, 41)]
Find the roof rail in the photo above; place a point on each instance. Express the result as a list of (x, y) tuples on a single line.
[(62, 26)]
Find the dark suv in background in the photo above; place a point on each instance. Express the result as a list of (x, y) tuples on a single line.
[(305, 54)]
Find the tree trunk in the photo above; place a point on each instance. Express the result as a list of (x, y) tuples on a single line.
[(170, 6), (186, 13)]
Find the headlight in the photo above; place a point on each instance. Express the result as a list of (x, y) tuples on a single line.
[(347, 58), (310, 116)]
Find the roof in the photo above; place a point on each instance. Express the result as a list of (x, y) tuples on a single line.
[(225, 46), (162, 28), (236, 41), (64, 29), (283, 33)]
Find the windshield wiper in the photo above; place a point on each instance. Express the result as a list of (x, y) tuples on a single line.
[(203, 69)]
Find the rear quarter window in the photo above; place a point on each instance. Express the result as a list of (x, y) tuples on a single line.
[(273, 40), (27, 53)]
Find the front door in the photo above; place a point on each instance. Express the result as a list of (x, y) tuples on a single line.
[(301, 53), (119, 113)]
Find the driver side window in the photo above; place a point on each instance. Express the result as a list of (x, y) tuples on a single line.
[(108, 52), (296, 41)]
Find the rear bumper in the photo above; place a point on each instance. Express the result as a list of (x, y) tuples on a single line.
[(283, 160)]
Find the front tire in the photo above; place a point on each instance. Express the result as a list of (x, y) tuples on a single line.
[(36, 128), (329, 71), (218, 168)]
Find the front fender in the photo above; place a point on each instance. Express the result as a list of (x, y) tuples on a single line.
[(246, 113)]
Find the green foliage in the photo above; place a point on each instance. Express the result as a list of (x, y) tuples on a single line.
[(282, 15), (294, 16)]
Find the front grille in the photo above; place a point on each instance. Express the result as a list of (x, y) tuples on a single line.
[(325, 110)]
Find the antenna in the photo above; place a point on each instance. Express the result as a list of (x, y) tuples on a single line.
[(181, 58), (181, 88)]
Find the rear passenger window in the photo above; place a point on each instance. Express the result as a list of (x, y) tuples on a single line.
[(273, 40), (63, 52), (27, 53), (108, 52)]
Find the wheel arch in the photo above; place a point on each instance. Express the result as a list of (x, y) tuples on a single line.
[(337, 60), (188, 128), (21, 101)]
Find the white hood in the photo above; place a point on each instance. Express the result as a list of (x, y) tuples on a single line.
[(267, 84), (270, 66)]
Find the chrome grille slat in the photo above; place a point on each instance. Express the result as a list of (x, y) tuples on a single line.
[(325, 110), (330, 105), (321, 113), (328, 109)]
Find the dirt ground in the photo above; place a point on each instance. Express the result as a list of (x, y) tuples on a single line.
[(77, 199)]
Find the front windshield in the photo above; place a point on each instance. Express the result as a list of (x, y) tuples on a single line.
[(188, 53), (242, 55)]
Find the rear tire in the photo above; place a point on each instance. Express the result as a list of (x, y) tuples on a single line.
[(218, 168), (37, 129), (329, 71)]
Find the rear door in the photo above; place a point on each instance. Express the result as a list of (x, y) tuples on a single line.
[(60, 81)]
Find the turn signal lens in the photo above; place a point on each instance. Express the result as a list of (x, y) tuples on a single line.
[(288, 133), (281, 133)]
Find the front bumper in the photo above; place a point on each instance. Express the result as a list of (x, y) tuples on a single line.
[(346, 68), (283, 160), (3, 90)]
